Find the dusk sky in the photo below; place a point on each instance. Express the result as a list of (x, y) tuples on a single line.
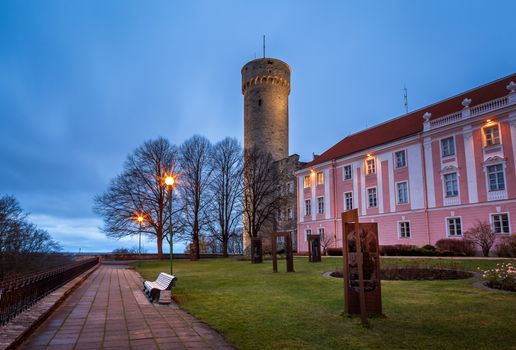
[(83, 83)]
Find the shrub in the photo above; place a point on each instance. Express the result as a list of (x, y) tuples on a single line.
[(503, 276), (334, 251), (483, 235), (461, 247), (409, 250), (506, 247)]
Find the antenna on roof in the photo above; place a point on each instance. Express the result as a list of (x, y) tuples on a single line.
[(264, 46), (405, 98)]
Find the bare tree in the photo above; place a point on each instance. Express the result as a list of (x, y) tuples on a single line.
[(261, 195), (226, 187), (23, 246), (483, 235), (196, 176), (140, 189)]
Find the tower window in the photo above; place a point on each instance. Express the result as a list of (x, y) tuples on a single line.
[(259, 102)]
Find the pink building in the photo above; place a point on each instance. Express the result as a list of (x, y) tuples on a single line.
[(427, 175)]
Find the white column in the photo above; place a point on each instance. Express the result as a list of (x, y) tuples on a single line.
[(471, 173), (379, 178), (313, 201), (301, 198), (356, 190), (415, 170), (512, 118), (362, 188)]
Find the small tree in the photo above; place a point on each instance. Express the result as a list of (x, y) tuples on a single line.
[(483, 235)]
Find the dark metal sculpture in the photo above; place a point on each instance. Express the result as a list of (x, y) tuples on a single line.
[(314, 248), (288, 251), (256, 251)]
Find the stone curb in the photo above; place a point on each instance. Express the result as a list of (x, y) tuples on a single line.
[(13, 333)]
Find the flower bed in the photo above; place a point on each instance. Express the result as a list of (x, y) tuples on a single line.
[(503, 276)]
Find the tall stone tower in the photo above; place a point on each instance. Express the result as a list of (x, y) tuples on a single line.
[(266, 86)]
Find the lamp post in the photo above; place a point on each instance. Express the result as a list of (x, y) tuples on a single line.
[(140, 222), (169, 181)]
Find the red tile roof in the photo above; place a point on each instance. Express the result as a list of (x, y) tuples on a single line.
[(411, 123)]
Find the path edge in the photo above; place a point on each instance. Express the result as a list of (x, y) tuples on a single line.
[(25, 323)]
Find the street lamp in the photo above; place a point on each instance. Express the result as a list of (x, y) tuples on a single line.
[(140, 222), (169, 181)]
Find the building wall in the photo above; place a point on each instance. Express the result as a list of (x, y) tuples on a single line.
[(429, 205)]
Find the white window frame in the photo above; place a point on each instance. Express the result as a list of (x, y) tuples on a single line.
[(320, 176), (484, 137), (491, 219), (398, 193), (375, 194), (290, 213), (370, 170), (504, 177), (308, 231), (308, 207), (320, 230), (320, 200), (409, 228), (448, 226), (445, 195), (404, 159), (345, 203), (454, 147), (350, 166)]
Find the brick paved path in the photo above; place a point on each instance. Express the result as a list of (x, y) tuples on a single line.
[(109, 311)]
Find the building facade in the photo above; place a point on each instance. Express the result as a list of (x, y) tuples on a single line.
[(427, 175)]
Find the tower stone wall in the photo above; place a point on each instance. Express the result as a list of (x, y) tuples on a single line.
[(266, 87)]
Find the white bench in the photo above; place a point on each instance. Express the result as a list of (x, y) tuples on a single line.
[(164, 282)]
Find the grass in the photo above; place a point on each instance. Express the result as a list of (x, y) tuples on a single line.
[(257, 309)]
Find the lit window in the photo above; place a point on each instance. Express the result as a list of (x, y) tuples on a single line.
[(402, 192), (451, 185), (307, 181), (290, 213), (401, 159), (501, 223), (370, 166), (348, 198), (348, 172), (454, 227), (320, 205), (371, 196), (320, 178), (492, 135), (308, 207), (321, 233), (496, 177), (447, 147), (404, 227)]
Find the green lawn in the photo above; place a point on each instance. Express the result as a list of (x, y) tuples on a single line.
[(258, 309)]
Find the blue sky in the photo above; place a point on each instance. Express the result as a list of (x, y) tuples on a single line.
[(83, 83)]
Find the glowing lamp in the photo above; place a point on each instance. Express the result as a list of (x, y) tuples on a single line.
[(169, 181)]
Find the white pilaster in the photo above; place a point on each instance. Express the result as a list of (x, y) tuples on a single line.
[(415, 170), (327, 201), (469, 153), (301, 198), (313, 201), (362, 188), (430, 186)]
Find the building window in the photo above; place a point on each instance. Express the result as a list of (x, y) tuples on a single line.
[(321, 233), (306, 183), (447, 147), (290, 187), (371, 196), (454, 227), (308, 232), (348, 200), (290, 214), (320, 205), (496, 177), (308, 207), (370, 166), (404, 229), (280, 215), (402, 192), (451, 185), (492, 135), (348, 172), (401, 159), (501, 223), (320, 178)]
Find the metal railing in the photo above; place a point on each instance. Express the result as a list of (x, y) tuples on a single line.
[(19, 293)]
